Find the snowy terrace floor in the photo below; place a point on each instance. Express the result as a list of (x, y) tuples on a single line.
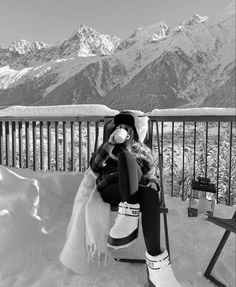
[(30, 245)]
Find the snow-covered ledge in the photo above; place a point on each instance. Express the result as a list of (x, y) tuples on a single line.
[(58, 111), (89, 110), (194, 112)]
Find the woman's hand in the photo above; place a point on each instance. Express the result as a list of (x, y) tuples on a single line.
[(111, 138)]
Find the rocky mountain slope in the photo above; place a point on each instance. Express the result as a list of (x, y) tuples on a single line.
[(190, 65)]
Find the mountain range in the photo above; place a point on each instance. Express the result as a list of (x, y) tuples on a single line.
[(191, 65)]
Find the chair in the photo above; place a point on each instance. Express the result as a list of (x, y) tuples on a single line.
[(164, 211), (230, 226), (163, 208)]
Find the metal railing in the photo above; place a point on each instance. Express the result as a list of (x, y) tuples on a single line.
[(195, 146), (190, 145)]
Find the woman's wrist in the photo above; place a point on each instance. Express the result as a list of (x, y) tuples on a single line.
[(109, 142), (108, 146)]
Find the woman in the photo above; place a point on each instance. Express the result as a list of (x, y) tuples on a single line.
[(124, 167)]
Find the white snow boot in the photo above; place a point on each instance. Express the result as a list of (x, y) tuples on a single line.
[(160, 273), (125, 229)]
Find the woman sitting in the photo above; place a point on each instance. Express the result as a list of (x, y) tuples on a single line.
[(124, 166)]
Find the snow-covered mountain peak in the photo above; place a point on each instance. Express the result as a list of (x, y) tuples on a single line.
[(84, 31), (199, 19), (90, 34), (147, 32), (191, 22), (145, 35), (162, 33), (87, 41), (23, 46)]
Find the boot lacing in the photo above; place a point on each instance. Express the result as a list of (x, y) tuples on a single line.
[(123, 207)]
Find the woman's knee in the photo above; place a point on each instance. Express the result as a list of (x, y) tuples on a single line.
[(127, 162), (128, 167), (126, 156)]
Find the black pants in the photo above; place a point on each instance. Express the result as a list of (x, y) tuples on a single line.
[(131, 188)]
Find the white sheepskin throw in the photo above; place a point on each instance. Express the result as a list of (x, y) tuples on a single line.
[(86, 242)]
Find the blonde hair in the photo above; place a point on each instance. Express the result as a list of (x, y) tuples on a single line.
[(142, 151)]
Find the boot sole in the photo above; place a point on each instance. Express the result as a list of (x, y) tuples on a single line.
[(117, 243), (123, 246)]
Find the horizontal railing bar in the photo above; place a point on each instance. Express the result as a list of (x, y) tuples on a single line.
[(194, 118), (54, 118), (162, 118)]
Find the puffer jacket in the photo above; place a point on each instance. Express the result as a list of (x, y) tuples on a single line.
[(104, 162)]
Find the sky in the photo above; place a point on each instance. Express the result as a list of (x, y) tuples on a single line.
[(53, 21)]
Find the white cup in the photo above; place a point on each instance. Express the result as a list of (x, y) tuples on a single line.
[(120, 135)]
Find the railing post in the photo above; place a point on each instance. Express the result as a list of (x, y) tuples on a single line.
[(172, 158), (72, 145), (183, 167), (13, 138), (27, 154), (194, 149), (206, 152), (64, 145), (34, 144), (96, 135), (7, 143), (56, 146), (41, 145), (150, 125), (88, 143), (49, 144), (80, 146), (162, 140), (20, 144), (1, 141), (218, 163), (230, 159)]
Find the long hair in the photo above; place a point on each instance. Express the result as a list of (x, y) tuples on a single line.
[(142, 151)]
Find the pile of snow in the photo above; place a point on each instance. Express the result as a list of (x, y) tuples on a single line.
[(35, 209), (206, 111), (58, 111), (91, 110)]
